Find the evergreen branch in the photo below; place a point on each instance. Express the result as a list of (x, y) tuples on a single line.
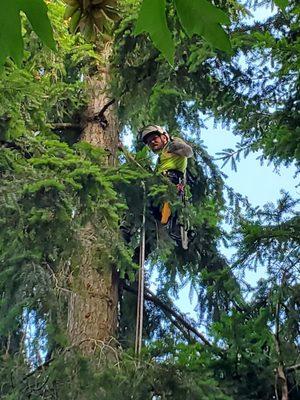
[(65, 125), (39, 368), (169, 311), (151, 296), (280, 376), (129, 157), (14, 146), (50, 359), (234, 155), (292, 368), (184, 332)]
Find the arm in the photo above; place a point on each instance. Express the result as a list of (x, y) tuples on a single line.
[(179, 147)]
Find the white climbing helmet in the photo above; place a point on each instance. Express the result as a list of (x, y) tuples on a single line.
[(149, 130)]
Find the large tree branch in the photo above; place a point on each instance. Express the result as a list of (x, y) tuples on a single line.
[(101, 112), (178, 320), (61, 126), (39, 368), (100, 116), (292, 368)]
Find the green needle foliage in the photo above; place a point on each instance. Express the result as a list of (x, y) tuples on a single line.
[(52, 185)]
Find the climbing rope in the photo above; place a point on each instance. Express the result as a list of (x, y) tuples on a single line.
[(141, 280), (185, 227)]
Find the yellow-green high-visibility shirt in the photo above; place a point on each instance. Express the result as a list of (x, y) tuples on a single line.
[(169, 159)]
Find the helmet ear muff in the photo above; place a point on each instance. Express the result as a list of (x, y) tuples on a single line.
[(167, 136)]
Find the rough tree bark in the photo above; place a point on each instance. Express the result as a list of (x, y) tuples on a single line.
[(93, 305)]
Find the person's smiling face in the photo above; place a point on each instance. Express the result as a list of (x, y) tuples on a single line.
[(156, 142)]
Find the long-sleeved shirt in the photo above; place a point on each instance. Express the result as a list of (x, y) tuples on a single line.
[(174, 156)]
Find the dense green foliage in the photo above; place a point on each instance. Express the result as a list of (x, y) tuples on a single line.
[(11, 40), (196, 17), (52, 185), (256, 90), (96, 17)]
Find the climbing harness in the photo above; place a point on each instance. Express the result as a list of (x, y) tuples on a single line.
[(141, 280), (181, 234)]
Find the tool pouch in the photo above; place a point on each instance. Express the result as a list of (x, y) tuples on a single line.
[(165, 213)]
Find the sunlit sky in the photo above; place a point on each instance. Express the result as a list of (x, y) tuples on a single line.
[(260, 183)]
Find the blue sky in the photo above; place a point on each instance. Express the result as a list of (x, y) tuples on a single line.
[(260, 183)]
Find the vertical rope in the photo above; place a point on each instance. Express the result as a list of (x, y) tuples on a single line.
[(184, 228), (141, 281)]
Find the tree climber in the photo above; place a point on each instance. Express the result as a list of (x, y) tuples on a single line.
[(172, 163)]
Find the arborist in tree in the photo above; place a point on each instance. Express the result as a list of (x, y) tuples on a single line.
[(172, 163)]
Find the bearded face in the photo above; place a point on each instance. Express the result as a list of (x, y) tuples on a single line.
[(156, 142)]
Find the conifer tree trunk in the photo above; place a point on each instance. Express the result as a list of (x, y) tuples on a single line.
[(93, 305)]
